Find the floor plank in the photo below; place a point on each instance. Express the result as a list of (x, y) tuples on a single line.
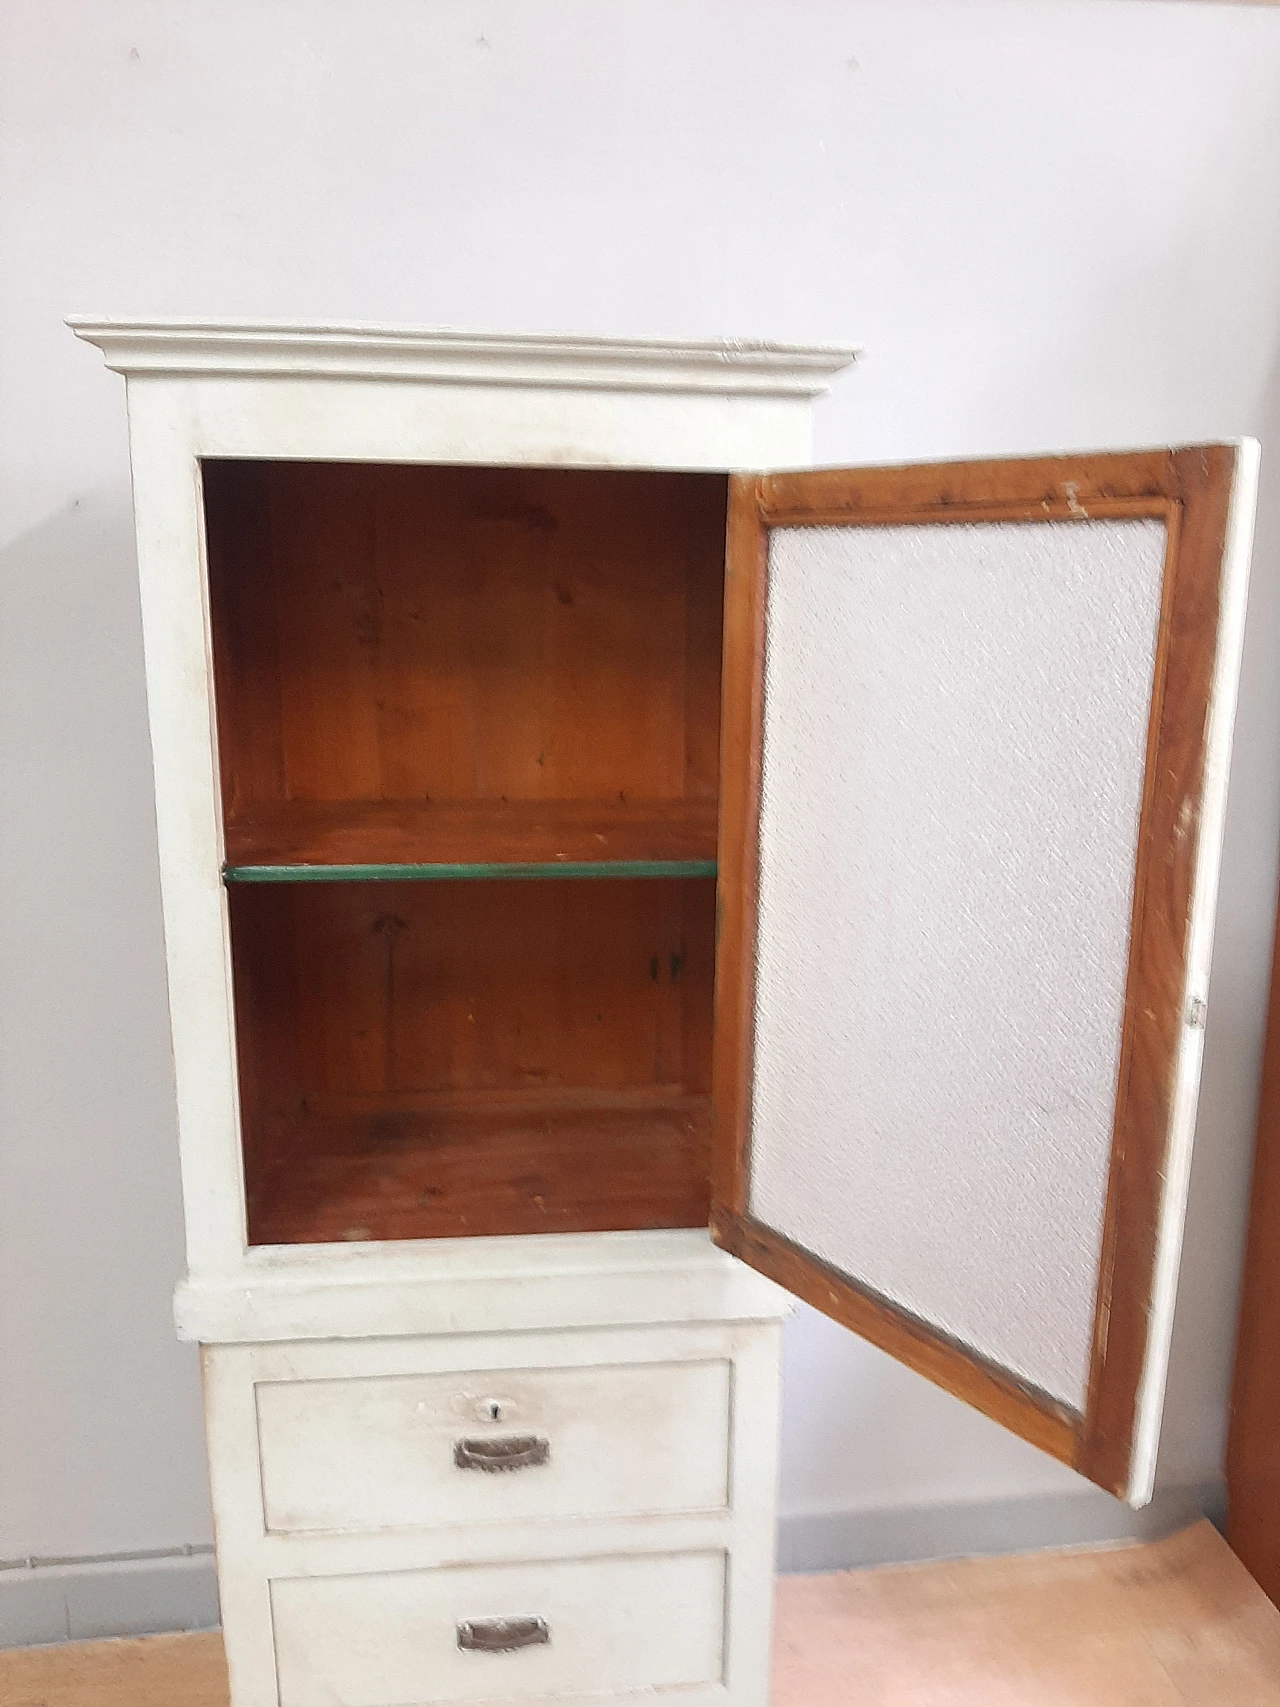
[(151, 1671), (1175, 1623)]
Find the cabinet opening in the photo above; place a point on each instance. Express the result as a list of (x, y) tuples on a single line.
[(434, 1060), (469, 673)]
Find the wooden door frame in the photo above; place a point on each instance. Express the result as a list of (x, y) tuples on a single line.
[(1191, 492)]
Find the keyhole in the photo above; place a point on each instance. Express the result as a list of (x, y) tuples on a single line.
[(493, 1410)]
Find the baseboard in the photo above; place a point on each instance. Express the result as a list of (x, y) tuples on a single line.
[(845, 1540), (144, 1594), (138, 1594)]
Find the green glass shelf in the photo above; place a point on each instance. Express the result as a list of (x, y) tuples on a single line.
[(468, 873)]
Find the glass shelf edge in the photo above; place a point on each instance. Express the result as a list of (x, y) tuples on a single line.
[(469, 872)]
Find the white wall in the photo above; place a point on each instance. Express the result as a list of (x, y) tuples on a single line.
[(1050, 223)]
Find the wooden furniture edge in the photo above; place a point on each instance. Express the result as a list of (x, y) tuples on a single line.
[(1253, 1442), (1199, 492), (737, 858), (1033, 1415)]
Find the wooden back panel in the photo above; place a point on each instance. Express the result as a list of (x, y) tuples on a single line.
[(409, 634), (498, 1057), (355, 993)]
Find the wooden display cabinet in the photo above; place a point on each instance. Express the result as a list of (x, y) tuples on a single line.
[(608, 891)]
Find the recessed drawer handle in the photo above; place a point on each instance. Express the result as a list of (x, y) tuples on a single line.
[(502, 1635), (507, 1452)]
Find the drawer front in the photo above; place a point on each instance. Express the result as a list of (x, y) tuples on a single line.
[(412, 1451), (576, 1627)]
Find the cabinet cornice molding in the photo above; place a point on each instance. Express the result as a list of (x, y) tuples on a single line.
[(558, 361)]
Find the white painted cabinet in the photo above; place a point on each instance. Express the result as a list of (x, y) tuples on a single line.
[(593, 874), (630, 1535)]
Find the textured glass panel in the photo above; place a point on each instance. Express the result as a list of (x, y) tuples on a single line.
[(955, 733)]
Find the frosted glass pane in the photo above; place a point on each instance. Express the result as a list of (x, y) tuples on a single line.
[(954, 739)]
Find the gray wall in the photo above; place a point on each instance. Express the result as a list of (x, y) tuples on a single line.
[(1050, 223)]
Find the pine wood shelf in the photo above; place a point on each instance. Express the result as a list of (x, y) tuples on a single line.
[(318, 841), (456, 1167)]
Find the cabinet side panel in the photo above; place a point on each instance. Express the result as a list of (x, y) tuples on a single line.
[(235, 1483), (166, 488)]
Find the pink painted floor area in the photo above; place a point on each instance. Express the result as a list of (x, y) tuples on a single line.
[(1175, 1623)]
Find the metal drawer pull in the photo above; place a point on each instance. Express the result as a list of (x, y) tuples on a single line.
[(507, 1452), (502, 1635)]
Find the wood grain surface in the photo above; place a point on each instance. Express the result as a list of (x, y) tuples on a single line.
[(447, 665), (388, 637), (432, 1060), (400, 832)]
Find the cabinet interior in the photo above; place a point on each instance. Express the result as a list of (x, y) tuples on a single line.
[(468, 731)]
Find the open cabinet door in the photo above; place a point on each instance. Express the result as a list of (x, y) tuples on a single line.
[(977, 720)]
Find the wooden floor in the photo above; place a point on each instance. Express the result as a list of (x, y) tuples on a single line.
[(1177, 1623)]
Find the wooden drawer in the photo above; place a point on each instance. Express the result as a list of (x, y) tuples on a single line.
[(599, 1627), (409, 1451)]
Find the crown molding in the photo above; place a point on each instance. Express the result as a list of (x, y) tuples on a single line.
[(251, 349)]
